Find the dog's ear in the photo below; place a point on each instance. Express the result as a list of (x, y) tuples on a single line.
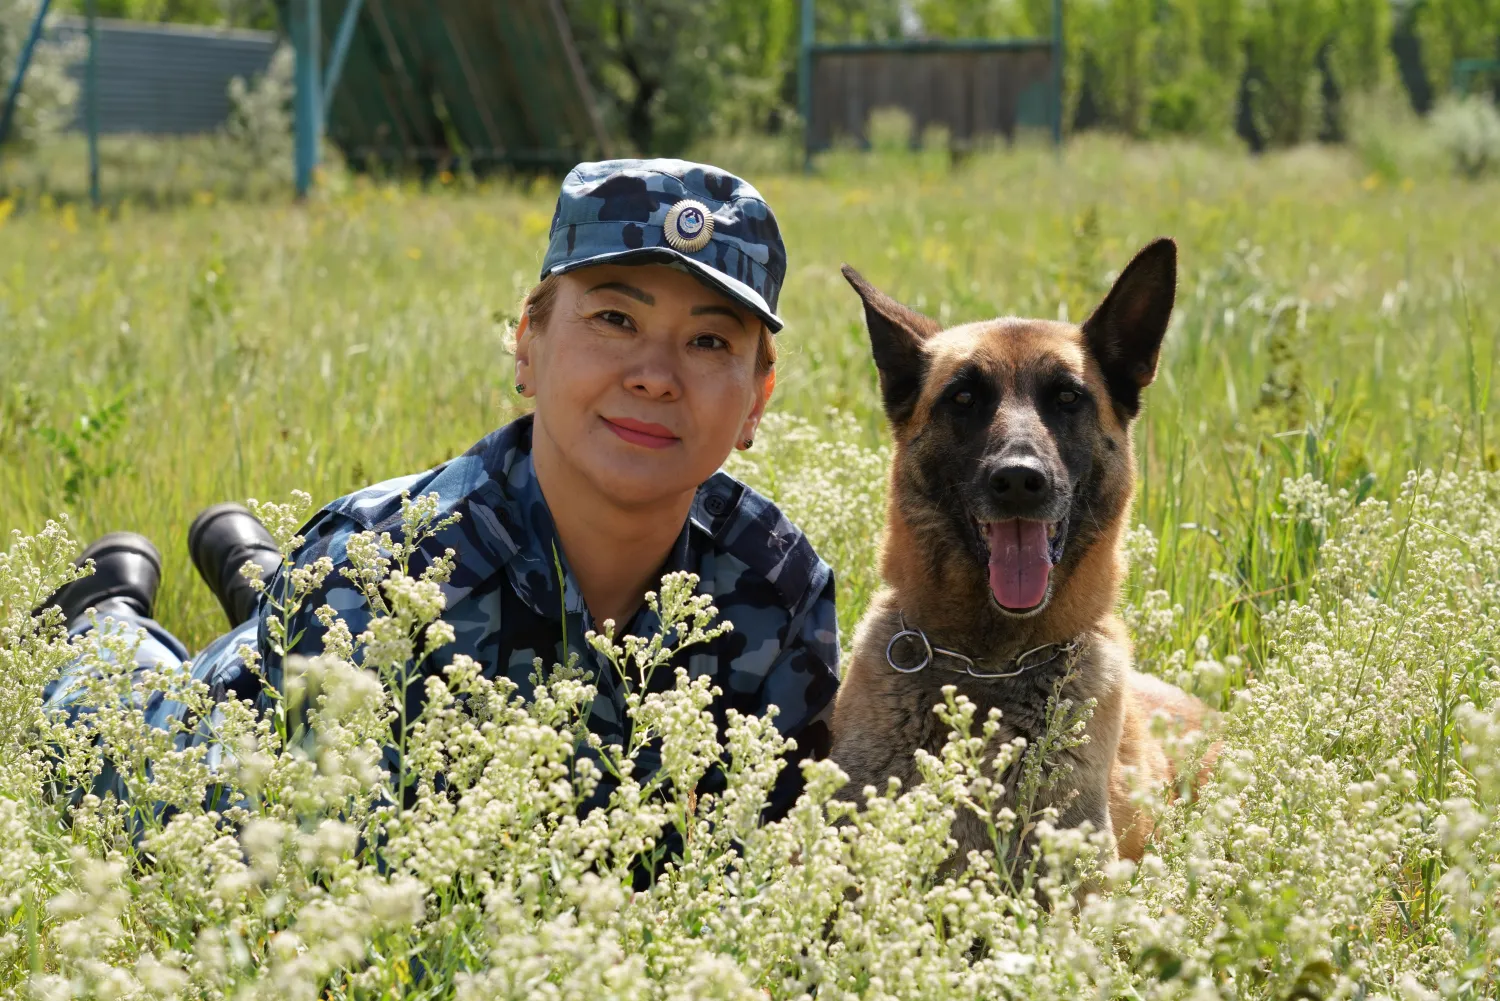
[(898, 337), (1125, 332)]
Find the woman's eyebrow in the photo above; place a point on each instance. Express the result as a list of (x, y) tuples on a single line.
[(724, 310), (624, 289)]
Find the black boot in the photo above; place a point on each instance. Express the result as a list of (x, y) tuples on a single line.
[(127, 572), (222, 540)]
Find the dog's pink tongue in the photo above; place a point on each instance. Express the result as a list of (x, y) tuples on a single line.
[(1018, 562)]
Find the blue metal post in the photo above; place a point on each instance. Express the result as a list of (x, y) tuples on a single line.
[(92, 83), (14, 94), (308, 102), (340, 52), (804, 79), (1057, 73)]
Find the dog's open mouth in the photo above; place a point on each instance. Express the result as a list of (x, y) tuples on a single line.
[(1022, 554)]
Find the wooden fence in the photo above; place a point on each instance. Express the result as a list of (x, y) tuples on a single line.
[(976, 90)]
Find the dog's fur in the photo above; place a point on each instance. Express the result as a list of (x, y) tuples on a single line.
[(934, 557)]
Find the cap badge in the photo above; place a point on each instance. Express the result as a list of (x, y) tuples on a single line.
[(688, 226)]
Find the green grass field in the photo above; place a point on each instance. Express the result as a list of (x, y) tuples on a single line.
[(156, 363), (1335, 330)]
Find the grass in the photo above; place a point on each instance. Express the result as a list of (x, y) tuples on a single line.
[(1328, 322), (156, 172)]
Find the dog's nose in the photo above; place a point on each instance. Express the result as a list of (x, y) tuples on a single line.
[(1020, 481)]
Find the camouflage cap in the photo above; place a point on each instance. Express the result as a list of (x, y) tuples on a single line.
[(700, 218)]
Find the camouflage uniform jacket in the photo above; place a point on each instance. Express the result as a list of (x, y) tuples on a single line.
[(504, 604)]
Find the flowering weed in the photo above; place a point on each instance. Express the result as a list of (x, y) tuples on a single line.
[(1344, 845)]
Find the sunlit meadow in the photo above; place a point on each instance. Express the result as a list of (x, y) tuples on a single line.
[(1318, 556)]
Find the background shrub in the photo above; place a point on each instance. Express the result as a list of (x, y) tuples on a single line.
[(1468, 129), (47, 101)]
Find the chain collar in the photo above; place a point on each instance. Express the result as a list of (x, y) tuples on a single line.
[(930, 654)]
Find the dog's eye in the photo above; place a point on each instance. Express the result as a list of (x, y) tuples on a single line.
[(964, 398), (1067, 397)]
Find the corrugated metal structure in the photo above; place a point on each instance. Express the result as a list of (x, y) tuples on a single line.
[(976, 90), (161, 79), (484, 82)]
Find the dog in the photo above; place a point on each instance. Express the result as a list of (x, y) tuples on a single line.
[(1011, 482)]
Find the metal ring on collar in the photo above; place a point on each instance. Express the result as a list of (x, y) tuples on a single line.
[(926, 648)]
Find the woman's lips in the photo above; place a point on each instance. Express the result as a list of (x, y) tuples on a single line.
[(641, 433)]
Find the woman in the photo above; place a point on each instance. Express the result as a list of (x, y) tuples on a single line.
[(648, 352)]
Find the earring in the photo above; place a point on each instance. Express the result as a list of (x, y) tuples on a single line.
[(747, 443), (520, 387)]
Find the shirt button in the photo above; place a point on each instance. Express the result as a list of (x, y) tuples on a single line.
[(715, 504)]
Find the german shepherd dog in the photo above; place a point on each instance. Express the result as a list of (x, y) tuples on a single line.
[(1010, 488)]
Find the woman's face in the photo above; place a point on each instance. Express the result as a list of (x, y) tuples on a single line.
[(644, 379)]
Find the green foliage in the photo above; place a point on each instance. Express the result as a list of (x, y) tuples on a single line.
[(81, 447), (1361, 55), (1198, 65), (670, 72), (1117, 43), (1451, 30), (1284, 39), (230, 13), (1390, 138), (1154, 67), (46, 100), (985, 18), (260, 115), (858, 20), (1468, 129)]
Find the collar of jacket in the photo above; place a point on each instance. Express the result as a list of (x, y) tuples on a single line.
[(506, 525)]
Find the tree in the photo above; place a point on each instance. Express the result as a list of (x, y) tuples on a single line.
[(231, 13), (669, 72), (1451, 30), (659, 66)]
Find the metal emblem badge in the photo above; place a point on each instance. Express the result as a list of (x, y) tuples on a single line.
[(688, 226)]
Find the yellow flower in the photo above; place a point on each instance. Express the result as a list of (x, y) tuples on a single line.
[(534, 224), (445, 177), (415, 253), (7, 206), (1371, 183)]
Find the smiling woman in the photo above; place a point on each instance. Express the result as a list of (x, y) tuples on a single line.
[(647, 348), (644, 379)]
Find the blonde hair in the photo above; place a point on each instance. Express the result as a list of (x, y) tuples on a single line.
[(540, 301)]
